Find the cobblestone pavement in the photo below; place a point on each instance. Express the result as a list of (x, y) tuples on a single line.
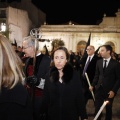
[(116, 108)]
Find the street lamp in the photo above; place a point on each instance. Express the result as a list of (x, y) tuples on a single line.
[(3, 27)]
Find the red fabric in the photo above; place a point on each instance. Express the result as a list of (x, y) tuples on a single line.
[(30, 70), (38, 91)]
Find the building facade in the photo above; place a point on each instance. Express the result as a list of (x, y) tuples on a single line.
[(24, 16), (76, 36), (20, 18)]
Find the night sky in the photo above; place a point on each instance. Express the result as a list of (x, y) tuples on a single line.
[(87, 13), (84, 12)]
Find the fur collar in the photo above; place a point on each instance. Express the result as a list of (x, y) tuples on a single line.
[(67, 74)]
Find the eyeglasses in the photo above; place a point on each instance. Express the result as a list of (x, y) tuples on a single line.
[(25, 47)]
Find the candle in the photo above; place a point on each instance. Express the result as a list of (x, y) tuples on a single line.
[(89, 85), (87, 79), (102, 107)]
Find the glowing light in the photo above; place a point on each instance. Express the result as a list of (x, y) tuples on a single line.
[(3, 27)]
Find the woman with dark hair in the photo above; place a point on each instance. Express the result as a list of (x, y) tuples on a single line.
[(63, 97), (15, 103)]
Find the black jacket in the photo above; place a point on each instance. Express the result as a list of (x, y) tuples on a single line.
[(41, 66), (110, 79), (64, 101), (15, 104), (91, 67)]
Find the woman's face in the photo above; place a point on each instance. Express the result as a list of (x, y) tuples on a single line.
[(60, 59)]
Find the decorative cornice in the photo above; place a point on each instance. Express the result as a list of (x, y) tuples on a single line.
[(79, 28)]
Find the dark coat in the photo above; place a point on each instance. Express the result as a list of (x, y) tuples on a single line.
[(90, 72), (91, 67), (64, 101), (42, 65), (110, 80), (15, 104)]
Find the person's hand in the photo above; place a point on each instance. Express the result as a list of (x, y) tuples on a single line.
[(32, 81), (111, 94), (91, 88)]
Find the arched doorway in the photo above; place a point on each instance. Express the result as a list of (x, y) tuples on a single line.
[(112, 44), (81, 46)]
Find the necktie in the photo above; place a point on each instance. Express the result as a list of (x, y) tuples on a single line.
[(86, 65), (105, 61)]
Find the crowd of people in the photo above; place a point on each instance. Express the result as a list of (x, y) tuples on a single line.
[(37, 86)]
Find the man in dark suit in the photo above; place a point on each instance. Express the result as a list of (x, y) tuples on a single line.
[(106, 81), (89, 69), (36, 67)]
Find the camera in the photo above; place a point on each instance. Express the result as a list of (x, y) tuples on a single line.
[(32, 81)]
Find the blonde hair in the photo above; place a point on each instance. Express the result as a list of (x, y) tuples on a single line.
[(11, 71)]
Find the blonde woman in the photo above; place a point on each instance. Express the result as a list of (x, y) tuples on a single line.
[(14, 100)]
